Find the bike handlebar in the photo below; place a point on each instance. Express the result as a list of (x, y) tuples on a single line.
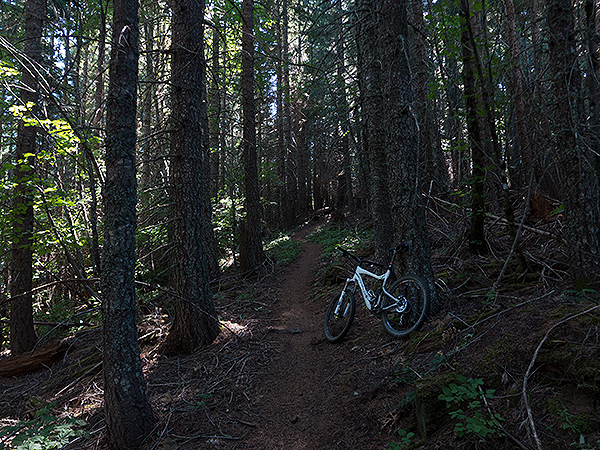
[(346, 253)]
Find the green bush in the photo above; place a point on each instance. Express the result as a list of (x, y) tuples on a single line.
[(405, 440), (472, 417), (43, 432), (283, 249), (332, 236)]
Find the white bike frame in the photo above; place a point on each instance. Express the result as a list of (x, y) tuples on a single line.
[(400, 304)]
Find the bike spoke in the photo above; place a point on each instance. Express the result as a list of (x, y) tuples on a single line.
[(406, 316)]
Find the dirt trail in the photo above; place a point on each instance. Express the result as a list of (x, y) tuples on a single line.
[(276, 385), (308, 400)]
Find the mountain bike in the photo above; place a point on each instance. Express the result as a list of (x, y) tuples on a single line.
[(402, 302)]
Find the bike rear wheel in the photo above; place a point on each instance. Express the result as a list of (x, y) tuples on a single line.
[(339, 316), (408, 314)]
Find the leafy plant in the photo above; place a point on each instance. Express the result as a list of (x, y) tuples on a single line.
[(202, 399), (405, 440), (283, 249), (226, 215), (44, 432), (406, 375), (574, 423), (469, 398), (332, 236)]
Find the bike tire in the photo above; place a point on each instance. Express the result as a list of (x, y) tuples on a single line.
[(336, 326), (403, 323)]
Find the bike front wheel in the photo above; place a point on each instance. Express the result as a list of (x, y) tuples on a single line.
[(340, 315), (406, 311)]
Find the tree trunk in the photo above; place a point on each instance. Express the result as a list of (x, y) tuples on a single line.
[(195, 321), (477, 242), (371, 95), (301, 124), (302, 162), (524, 151), (591, 80), (434, 177), (345, 191), (128, 414), (209, 241), (251, 250), (91, 163), (22, 332), (291, 186), (147, 150), (214, 116), (402, 142), (282, 162), (578, 181)]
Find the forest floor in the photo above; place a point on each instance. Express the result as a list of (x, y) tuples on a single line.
[(271, 380)]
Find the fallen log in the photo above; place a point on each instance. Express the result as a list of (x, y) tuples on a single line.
[(39, 359)]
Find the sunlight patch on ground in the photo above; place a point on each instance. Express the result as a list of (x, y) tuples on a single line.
[(236, 328)]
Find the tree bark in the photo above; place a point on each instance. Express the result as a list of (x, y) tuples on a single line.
[(91, 163), (523, 144), (345, 191), (195, 321), (578, 180), (401, 143), (371, 96), (128, 413), (291, 185), (22, 332), (477, 242), (215, 118), (591, 80), (282, 160), (435, 173), (251, 250)]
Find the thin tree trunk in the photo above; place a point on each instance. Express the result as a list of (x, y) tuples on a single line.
[(291, 186), (91, 164), (592, 80), (303, 205), (435, 176), (345, 194), (499, 161), (214, 117), (22, 332), (147, 152), (525, 152), (209, 241), (251, 251), (128, 414), (282, 162), (477, 242)]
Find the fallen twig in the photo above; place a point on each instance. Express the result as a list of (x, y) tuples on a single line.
[(516, 239), (174, 294), (504, 430), (530, 368), (73, 383), (499, 219)]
